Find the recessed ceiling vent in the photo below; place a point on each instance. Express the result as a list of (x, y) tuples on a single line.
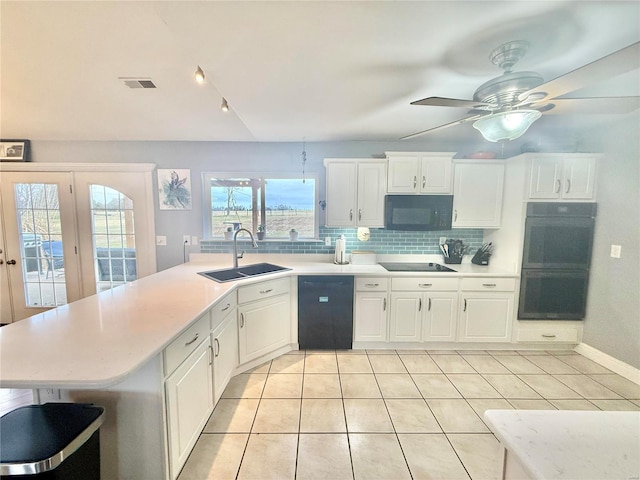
[(138, 82)]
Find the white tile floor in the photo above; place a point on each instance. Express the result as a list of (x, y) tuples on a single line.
[(389, 414)]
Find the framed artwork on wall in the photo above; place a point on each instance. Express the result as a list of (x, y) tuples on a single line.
[(174, 188), (14, 150)]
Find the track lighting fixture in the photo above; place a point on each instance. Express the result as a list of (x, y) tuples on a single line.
[(225, 106), (199, 75)]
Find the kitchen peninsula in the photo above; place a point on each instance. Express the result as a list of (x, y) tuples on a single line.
[(114, 349)]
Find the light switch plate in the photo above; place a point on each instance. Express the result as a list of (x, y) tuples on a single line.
[(616, 250), (194, 240), (161, 240), (327, 241)]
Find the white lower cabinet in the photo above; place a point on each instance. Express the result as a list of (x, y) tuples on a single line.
[(486, 309), (189, 403), (263, 325), (423, 309), (370, 310), (540, 331), (225, 353)]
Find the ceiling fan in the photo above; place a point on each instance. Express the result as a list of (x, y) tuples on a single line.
[(505, 107)]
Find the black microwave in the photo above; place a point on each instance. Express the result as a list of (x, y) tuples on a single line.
[(418, 212)]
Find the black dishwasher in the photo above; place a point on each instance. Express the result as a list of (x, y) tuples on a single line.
[(325, 312)]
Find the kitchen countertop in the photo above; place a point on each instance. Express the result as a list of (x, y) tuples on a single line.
[(570, 445), (97, 341)]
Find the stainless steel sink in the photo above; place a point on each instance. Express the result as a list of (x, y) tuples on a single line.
[(229, 274)]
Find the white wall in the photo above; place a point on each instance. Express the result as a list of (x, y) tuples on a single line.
[(612, 324)]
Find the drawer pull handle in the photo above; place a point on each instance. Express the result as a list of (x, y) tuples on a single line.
[(241, 320), (226, 308), (424, 181), (558, 185), (359, 214), (547, 335), (351, 214), (465, 305), (425, 285), (217, 349), (429, 309), (384, 304), (568, 189), (489, 285), (266, 291), (415, 181), (192, 340), (211, 355), (372, 285), (420, 305)]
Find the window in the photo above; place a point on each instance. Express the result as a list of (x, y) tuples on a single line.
[(277, 202)]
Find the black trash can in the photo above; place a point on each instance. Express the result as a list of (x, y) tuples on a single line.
[(54, 441)]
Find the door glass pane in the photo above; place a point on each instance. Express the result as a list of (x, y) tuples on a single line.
[(113, 236), (38, 212)]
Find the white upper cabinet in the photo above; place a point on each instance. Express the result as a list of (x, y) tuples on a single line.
[(477, 193), (419, 172), (355, 192), (569, 176)]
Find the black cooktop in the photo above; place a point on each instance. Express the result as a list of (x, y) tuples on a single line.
[(416, 267)]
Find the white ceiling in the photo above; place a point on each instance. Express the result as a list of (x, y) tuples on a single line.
[(324, 71)]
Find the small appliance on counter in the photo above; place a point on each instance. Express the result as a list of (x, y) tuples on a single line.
[(363, 257), (340, 256), (483, 254), (453, 250)]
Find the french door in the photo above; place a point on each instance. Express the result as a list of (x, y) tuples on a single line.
[(68, 234), (40, 254)]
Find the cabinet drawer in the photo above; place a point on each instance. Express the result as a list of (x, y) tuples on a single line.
[(372, 284), (223, 308), (424, 284), (187, 342), (488, 284), (261, 290), (564, 334)]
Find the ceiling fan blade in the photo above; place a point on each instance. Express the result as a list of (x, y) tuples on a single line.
[(446, 125), (595, 105), (614, 64), (453, 102)]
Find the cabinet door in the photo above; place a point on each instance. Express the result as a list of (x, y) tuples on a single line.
[(189, 397), (440, 318), (486, 317), (545, 181), (403, 174), (370, 317), (341, 194), (371, 190), (405, 320), (477, 194), (578, 178), (435, 175), (264, 326), (225, 354)]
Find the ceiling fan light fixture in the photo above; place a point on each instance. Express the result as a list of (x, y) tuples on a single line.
[(199, 75), (224, 106), (507, 125)]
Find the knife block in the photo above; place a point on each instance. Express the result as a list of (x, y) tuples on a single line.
[(481, 258)]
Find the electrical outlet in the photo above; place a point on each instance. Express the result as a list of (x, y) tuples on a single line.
[(194, 240), (186, 239), (48, 395), (161, 240), (327, 241), (616, 250)]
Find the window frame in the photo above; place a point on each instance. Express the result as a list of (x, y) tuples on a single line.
[(206, 196)]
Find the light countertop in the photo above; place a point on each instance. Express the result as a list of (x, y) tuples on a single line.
[(97, 341), (570, 445)]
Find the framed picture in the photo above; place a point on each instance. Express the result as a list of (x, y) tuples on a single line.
[(14, 150), (174, 188)]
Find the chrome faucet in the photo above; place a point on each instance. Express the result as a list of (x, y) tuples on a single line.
[(235, 246)]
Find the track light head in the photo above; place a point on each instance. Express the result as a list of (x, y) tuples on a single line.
[(199, 75)]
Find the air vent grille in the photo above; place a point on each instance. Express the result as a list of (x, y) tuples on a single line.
[(138, 82)]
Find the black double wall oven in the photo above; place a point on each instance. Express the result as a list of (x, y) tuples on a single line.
[(556, 260)]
